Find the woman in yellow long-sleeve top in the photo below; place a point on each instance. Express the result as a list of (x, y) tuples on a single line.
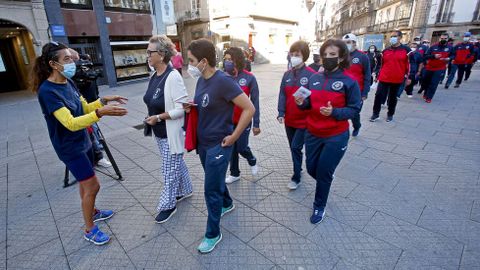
[(68, 115)]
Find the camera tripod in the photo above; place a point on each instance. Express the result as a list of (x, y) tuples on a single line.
[(101, 139)]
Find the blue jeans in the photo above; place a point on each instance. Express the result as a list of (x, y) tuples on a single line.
[(432, 78), (296, 139), (451, 74), (241, 148), (215, 162), (323, 157)]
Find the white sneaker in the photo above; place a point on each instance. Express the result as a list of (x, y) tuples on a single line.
[(409, 96), (254, 170), (292, 185), (230, 179), (104, 163)]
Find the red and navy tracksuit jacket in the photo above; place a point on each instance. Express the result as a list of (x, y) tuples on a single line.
[(287, 108), (248, 83), (463, 52), (360, 71), (473, 58), (343, 93), (433, 64), (422, 49), (395, 65)]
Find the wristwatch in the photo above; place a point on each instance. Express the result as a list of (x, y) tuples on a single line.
[(103, 101), (158, 118)]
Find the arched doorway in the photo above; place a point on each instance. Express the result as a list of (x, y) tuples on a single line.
[(17, 56)]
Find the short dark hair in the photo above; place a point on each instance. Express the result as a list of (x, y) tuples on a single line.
[(302, 47), (203, 48), (343, 51), (238, 57), (399, 33)]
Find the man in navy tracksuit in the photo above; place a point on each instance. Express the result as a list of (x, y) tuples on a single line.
[(359, 70), (437, 58), (463, 51), (472, 59), (416, 67), (395, 69)]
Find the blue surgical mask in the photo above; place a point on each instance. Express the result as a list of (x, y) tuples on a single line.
[(229, 67), (69, 70), (393, 40)]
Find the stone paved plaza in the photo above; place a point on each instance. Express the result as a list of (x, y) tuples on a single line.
[(405, 196)]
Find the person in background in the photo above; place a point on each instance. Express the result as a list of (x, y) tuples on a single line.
[(335, 98), (288, 113), (166, 117), (88, 88), (472, 59), (463, 51), (67, 115), (416, 67), (358, 70), (234, 64), (248, 63), (177, 61), (253, 52), (437, 58), (316, 62), (393, 72), (216, 94), (451, 71), (375, 59)]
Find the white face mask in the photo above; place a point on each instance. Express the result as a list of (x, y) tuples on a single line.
[(295, 60), (413, 49), (194, 71), (372, 50), (466, 39), (350, 47)]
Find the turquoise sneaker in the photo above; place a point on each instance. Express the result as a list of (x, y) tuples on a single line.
[(208, 244), (102, 215), (227, 209), (96, 236)]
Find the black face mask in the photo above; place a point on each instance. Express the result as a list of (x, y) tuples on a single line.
[(330, 64), (443, 42)]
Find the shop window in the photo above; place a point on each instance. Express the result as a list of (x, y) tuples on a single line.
[(76, 4), (140, 6), (130, 61)]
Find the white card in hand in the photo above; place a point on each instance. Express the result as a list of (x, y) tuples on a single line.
[(302, 92)]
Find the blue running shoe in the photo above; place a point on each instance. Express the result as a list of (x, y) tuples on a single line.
[(317, 216), (226, 210), (102, 215), (208, 244), (96, 236)]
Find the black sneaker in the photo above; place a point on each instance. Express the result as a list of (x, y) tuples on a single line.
[(181, 198), (317, 216), (389, 118), (420, 91), (165, 215), (446, 86), (456, 86), (355, 132), (374, 117)]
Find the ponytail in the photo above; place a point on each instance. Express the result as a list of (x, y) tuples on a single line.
[(42, 69)]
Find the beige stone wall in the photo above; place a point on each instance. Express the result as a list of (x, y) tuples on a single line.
[(29, 14)]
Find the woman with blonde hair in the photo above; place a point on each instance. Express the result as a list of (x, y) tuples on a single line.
[(163, 98)]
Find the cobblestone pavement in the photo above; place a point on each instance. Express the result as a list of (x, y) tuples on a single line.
[(406, 195)]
